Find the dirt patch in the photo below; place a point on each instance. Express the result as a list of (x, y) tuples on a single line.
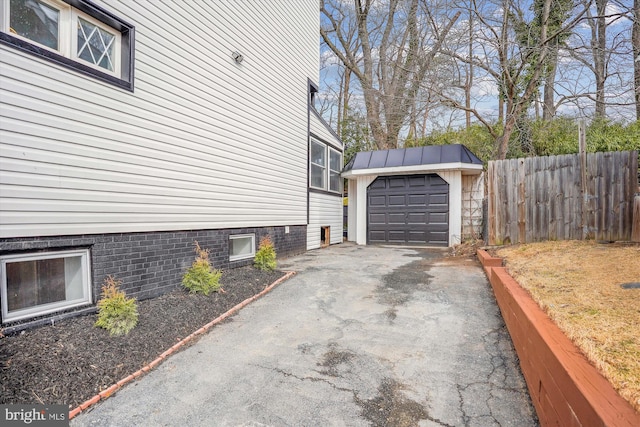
[(332, 360), (390, 408), (72, 361), (579, 285)]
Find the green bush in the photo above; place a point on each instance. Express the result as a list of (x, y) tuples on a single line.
[(540, 138), (116, 313), (201, 277), (265, 258)]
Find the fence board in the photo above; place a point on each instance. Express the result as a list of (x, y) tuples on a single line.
[(549, 198)]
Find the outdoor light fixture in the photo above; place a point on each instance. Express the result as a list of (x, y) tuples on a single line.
[(237, 57)]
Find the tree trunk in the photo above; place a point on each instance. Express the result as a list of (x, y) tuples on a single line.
[(549, 106), (635, 41), (599, 46), (503, 140), (469, 80)]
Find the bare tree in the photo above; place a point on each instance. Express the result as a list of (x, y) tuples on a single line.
[(598, 26), (517, 68), (635, 42), (397, 42)]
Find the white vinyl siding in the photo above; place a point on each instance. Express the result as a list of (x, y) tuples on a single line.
[(202, 142), (324, 210), (321, 130)]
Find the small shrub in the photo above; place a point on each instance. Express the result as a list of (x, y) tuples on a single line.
[(116, 313), (265, 258), (201, 277)]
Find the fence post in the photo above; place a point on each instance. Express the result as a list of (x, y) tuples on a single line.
[(582, 149), (635, 226)]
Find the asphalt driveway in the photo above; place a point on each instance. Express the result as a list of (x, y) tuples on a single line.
[(360, 336)]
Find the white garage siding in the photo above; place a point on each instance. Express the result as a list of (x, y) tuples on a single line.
[(201, 143), (324, 210)]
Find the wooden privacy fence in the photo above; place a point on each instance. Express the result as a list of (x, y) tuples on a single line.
[(575, 196)]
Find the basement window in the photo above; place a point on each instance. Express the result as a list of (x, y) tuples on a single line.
[(42, 283), (242, 246)]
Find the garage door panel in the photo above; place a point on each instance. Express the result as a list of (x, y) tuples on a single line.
[(396, 182), (439, 199), (417, 181), (377, 218), (437, 218), (441, 238), (417, 237), (412, 209), (396, 236), (377, 185), (378, 236), (417, 200), (416, 218), (397, 200), (397, 218), (378, 201)]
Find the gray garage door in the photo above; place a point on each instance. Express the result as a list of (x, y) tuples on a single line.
[(411, 209)]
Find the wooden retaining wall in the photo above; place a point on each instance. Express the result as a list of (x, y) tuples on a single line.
[(569, 197), (565, 388)]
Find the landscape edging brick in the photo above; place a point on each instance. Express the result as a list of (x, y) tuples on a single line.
[(113, 388), (564, 387)]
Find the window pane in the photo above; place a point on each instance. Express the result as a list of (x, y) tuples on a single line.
[(318, 177), (241, 247), (318, 154), (96, 45), (335, 163), (33, 283), (334, 181), (34, 20)]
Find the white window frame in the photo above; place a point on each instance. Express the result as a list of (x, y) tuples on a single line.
[(44, 309), (67, 33), (251, 236), (75, 14), (327, 166), (63, 25), (329, 170), (312, 163), (121, 75)]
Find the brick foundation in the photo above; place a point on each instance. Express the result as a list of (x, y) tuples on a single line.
[(151, 264)]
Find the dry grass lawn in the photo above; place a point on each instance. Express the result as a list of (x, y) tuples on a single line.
[(577, 283)]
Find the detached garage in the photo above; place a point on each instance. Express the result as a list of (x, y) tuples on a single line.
[(415, 196)]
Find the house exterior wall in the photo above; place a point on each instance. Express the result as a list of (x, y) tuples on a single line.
[(325, 211), (201, 142), (202, 147), (325, 208)]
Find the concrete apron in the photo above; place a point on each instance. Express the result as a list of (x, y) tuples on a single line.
[(360, 336)]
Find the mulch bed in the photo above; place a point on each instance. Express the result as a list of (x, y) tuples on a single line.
[(72, 361)]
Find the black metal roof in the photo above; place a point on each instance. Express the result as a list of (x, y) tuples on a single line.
[(428, 155)]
